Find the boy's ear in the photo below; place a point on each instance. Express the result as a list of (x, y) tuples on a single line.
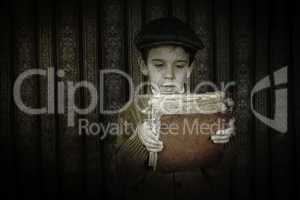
[(190, 69), (143, 67)]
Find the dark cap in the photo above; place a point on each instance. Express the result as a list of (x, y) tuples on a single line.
[(167, 31)]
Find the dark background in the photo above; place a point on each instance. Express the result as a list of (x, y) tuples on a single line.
[(244, 41)]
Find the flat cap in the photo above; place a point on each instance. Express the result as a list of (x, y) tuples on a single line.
[(167, 31)]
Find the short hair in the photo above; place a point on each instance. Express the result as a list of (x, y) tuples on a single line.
[(191, 52)]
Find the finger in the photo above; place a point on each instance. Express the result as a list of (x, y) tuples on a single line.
[(220, 141), (219, 137), (157, 148), (154, 149), (227, 131), (146, 127), (150, 139), (149, 148), (146, 135), (220, 132), (232, 123), (153, 144), (151, 135)]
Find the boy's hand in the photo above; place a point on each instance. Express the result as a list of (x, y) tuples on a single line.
[(223, 136), (149, 139)]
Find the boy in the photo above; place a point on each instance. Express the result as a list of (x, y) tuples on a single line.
[(168, 47)]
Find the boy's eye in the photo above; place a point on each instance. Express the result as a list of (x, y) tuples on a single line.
[(158, 65), (180, 66)]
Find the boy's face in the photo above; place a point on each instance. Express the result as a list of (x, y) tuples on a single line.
[(168, 68)]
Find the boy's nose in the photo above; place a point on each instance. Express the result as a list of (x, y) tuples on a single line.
[(169, 72)]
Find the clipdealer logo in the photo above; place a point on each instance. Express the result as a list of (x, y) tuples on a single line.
[(278, 123), (68, 104)]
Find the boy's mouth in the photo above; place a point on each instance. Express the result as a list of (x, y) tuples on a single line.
[(169, 89)]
